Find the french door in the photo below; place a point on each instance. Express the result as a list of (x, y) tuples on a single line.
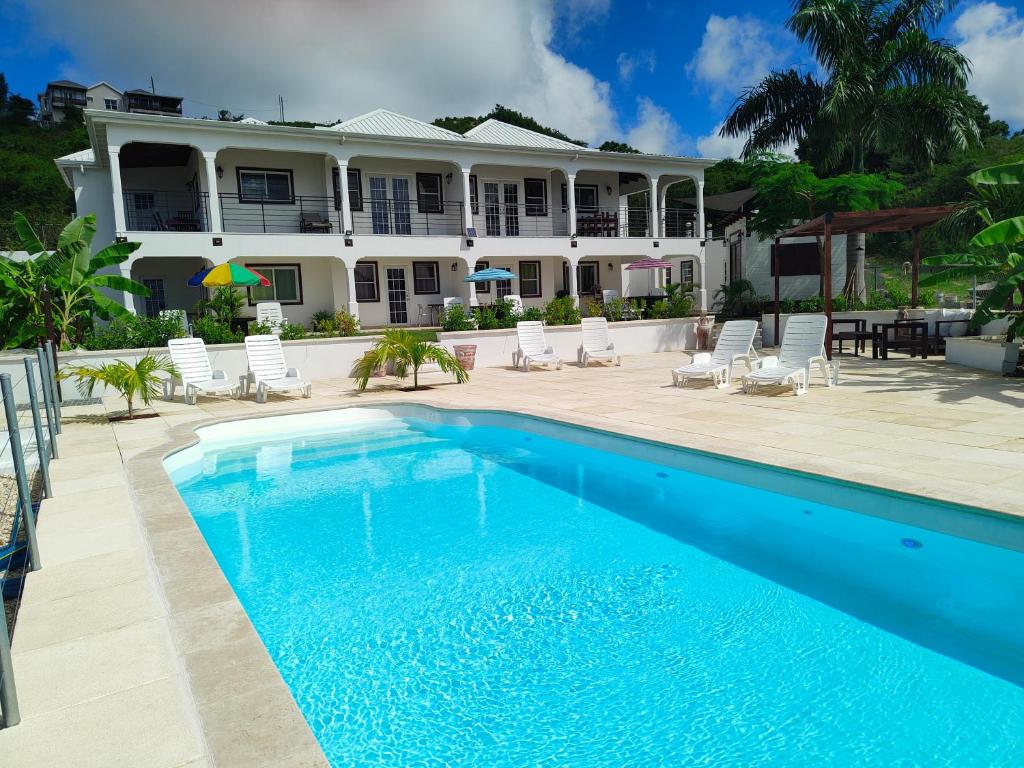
[(390, 214), (398, 307), (501, 208)]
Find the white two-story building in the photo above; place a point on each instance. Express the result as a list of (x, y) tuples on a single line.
[(382, 215)]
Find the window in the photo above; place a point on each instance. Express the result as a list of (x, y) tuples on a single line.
[(483, 287), (586, 277), (685, 272), (110, 104), (736, 258), (529, 279), (355, 189), (474, 200), (587, 201), (536, 193), (156, 302), (503, 288), (285, 284), (428, 193), (265, 185), (367, 287), (425, 277)]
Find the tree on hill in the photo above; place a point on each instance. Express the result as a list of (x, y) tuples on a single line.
[(14, 109), (618, 146), (887, 86), (505, 115)]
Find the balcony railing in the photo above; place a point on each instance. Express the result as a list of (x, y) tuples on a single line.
[(303, 213), (387, 216), (147, 210), (679, 222)]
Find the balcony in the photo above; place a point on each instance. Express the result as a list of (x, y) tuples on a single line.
[(68, 99), (157, 211)]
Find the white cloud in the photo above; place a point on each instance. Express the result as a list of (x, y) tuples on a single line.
[(734, 54), (629, 64), (720, 147), (580, 14), (336, 60), (655, 130), (992, 37)]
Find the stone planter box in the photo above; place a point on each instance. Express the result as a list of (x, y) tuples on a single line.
[(983, 353)]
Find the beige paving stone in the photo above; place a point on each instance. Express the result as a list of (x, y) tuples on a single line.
[(83, 574)]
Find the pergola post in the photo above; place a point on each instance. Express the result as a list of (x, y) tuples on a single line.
[(915, 267), (826, 282), (775, 270)]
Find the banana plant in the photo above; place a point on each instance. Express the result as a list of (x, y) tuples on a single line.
[(995, 251), (73, 274)]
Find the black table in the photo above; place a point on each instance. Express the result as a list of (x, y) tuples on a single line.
[(917, 341), (859, 335)]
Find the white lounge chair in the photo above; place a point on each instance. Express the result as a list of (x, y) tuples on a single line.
[(270, 313), (268, 370), (194, 372), (517, 302), (450, 301), (532, 346), (595, 344), (735, 343), (803, 347)]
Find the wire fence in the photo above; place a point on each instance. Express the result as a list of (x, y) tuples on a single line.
[(28, 443)]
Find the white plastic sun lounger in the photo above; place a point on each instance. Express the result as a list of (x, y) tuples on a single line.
[(194, 371), (270, 313), (595, 344), (268, 370), (803, 348), (735, 343), (532, 346)]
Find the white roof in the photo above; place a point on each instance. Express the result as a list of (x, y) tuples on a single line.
[(252, 121), (383, 122), (85, 156), (496, 132)]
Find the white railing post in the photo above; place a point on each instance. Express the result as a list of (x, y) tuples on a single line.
[(114, 155), (467, 205), (653, 228), (700, 208), (216, 222), (570, 193)]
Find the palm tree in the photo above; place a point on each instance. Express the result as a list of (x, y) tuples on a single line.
[(885, 86), (402, 350), (72, 273), (130, 381)]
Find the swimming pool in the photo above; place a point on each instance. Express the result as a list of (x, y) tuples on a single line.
[(473, 588)]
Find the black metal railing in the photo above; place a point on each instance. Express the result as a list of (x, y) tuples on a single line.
[(303, 213), (679, 222), (150, 210), (408, 217)]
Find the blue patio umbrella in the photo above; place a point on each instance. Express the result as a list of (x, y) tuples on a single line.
[(196, 281), (486, 275)]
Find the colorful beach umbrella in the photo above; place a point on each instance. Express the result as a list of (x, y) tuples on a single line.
[(233, 275), (486, 275)]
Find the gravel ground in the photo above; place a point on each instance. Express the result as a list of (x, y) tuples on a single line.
[(9, 503)]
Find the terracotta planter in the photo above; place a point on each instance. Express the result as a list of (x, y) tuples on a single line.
[(466, 355), (379, 370), (704, 326)]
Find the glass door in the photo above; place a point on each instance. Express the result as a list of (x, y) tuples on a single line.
[(379, 215), (400, 200), (398, 307), (501, 208)]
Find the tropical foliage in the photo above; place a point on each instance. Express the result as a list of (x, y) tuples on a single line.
[(403, 351), (73, 276), (135, 332), (138, 380)]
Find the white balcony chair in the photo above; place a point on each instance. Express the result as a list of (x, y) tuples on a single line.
[(532, 346), (268, 370), (194, 372), (270, 313), (803, 347), (735, 344), (595, 344), (450, 301)]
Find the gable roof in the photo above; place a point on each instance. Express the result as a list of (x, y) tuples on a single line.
[(493, 131), (65, 84), (384, 122), (109, 85)]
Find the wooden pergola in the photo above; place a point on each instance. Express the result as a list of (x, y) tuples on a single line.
[(857, 222)]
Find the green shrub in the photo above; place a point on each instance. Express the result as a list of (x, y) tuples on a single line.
[(486, 319), (840, 304), (562, 311), (135, 332), (258, 328), (787, 306), (293, 331), (323, 322), (213, 331), (532, 313), (454, 318), (815, 304), (659, 309), (898, 294), (346, 323)]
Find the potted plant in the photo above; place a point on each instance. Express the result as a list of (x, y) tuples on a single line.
[(454, 318), (129, 380), (403, 350)]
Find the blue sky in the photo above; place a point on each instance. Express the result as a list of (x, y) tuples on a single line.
[(659, 75)]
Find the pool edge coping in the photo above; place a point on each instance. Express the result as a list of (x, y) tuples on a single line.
[(166, 519)]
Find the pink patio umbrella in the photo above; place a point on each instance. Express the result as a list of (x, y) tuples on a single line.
[(650, 263)]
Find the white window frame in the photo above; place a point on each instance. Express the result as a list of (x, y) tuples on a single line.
[(265, 172), (267, 271)]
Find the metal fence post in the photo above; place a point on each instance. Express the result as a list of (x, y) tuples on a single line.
[(51, 367), (37, 422), (44, 378), (8, 692), (20, 474)]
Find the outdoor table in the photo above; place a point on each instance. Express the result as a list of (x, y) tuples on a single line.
[(859, 335), (435, 313), (918, 339)]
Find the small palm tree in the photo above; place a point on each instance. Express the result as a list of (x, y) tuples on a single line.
[(404, 350), (131, 381)]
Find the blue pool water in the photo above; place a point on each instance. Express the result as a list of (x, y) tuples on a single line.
[(488, 596)]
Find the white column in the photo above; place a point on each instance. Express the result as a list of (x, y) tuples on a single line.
[(350, 274), (570, 192), (129, 298), (662, 199), (346, 208), (700, 208), (467, 206), (210, 159), (654, 206), (702, 292), (470, 269), (574, 291), (115, 185)]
